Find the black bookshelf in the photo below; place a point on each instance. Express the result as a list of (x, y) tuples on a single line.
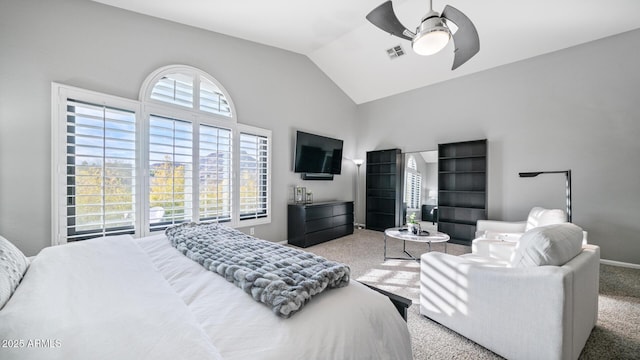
[(462, 188), (384, 189)]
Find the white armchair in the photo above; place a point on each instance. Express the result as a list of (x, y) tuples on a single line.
[(497, 239), (541, 304)]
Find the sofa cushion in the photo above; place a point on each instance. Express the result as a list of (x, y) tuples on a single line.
[(13, 265), (542, 217), (485, 261), (502, 236), (548, 245)]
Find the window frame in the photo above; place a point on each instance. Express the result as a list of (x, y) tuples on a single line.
[(250, 130), (231, 152), (148, 84), (147, 171), (143, 108), (60, 94)]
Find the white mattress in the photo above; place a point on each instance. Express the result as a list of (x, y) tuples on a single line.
[(121, 298)]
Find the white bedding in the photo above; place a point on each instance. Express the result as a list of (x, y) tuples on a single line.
[(120, 298), (353, 322), (98, 299)]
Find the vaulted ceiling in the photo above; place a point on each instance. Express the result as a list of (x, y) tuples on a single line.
[(335, 35)]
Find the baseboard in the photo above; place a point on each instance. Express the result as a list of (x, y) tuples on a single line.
[(620, 263), (283, 242)]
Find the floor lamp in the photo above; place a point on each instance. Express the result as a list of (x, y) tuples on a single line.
[(568, 184), (358, 163)]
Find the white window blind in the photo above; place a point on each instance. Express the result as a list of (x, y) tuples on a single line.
[(413, 185), (254, 150), (212, 100), (101, 168), (170, 171), (215, 183), (174, 89), (181, 88)]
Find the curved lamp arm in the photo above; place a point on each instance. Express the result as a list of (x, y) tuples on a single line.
[(567, 184)]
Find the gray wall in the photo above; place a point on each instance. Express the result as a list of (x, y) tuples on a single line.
[(574, 109), (96, 47)]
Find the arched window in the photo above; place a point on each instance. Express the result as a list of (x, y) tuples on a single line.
[(413, 184), (189, 88), (177, 154)]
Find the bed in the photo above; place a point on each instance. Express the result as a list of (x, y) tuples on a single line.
[(125, 298)]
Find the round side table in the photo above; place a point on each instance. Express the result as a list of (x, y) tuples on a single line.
[(425, 237)]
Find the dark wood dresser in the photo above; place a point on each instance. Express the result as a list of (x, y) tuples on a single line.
[(310, 224)]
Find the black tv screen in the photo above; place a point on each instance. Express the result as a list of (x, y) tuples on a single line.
[(317, 154)]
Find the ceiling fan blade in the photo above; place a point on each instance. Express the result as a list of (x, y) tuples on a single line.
[(384, 18), (465, 40)]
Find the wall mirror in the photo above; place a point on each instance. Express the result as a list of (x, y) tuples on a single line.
[(420, 188)]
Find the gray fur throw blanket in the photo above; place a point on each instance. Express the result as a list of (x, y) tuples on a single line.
[(281, 277)]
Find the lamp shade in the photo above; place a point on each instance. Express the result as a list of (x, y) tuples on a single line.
[(358, 162), (433, 35), (530, 174), (431, 42)]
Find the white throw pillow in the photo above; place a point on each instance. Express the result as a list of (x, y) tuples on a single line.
[(13, 265), (548, 245), (542, 217)]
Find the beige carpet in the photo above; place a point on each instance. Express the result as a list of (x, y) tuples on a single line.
[(616, 336)]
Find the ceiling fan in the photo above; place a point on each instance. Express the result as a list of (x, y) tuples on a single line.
[(434, 31)]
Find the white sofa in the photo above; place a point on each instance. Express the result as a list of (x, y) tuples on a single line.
[(497, 239), (521, 308)]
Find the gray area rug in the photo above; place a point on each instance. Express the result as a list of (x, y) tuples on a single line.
[(616, 335)]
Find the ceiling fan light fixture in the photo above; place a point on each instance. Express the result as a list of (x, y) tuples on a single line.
[(430, 42), (434, 32), (432, 36)]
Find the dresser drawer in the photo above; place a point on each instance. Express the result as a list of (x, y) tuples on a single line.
[(345, 208), (319, 224), (318, 212), (342, 219), (319, 237)]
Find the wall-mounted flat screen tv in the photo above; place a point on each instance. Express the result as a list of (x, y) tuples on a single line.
[(317, 154)]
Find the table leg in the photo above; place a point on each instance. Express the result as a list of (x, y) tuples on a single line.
[(404, 249)]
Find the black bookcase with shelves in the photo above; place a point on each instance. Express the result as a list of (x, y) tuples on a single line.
[(462, 193), (384, 189)]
